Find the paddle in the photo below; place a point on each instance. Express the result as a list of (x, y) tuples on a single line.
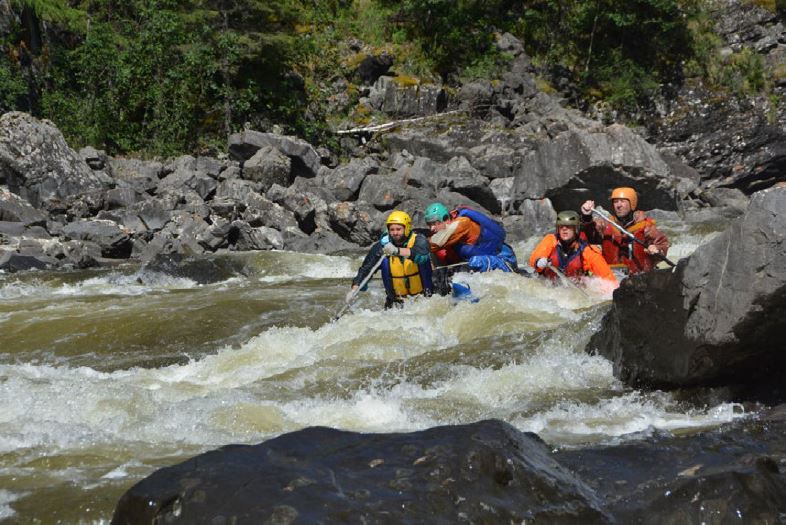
[(357, 290), (564, 279), (608, 219)]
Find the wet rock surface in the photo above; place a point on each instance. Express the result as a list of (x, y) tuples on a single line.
[(716, 319), (482, 472), (487, 472)]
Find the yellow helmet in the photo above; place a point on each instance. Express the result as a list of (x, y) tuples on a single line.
[(402, 218), (626, 193)]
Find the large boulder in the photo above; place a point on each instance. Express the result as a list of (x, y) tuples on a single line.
[(114, 241), (268, 166), (486, 472), (13, 208), (404, 96), (305, 159), (141, 175), (37, 163), (717, 319), (581, 164)]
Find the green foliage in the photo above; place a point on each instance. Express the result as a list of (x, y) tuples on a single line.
[(12, 87)]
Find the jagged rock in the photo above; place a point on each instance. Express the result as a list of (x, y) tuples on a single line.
[(80, 254), (115, 242), (717, 319), (203, 269), (128, 220), (16, 209), (200, 182), (344, 182), (245, 237), (321, 241), (154, 212), (96, 159), (477, 97), (577, 165), (357, 221), (535, 217), (120, 198), (260, 211), (142, 176), (310, 209), (305, 159), (399, 97), (236, 189), (16, 262), (37, 163), (268, 166), (481, 473), (467, 181)]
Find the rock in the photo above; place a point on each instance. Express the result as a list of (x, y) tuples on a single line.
[(384, 192), (120, 198), (535, 217), (16, 209), (717, 319), (268, 166), (142, 176), (261, 211), (344, 182), (115, 242), (405, 97), (197, 181), (357, 222), (310, 209), (479, 473), (305, 159), (96, 159), (577, 165), (467, 181), (154, 213), (245, 237), (321, 241), (37, 163), (373, 66), (16, 262), (202, 270)]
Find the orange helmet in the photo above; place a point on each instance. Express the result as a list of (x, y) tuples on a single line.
[(626, 193)]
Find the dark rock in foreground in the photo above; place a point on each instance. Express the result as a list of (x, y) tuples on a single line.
[(486, 472), (718, 318)]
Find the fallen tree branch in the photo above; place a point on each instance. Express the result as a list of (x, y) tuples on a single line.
[(393, 124)]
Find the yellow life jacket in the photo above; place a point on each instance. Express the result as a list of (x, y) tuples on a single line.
[(405, 274)]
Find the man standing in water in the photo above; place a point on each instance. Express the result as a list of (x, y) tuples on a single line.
[(406, 267), (619, 249), (567, 252), (467, 235)]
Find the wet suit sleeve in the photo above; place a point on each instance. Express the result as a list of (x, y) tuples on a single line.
[(368, 263), (420, 251), (543, 249), (597, 265)]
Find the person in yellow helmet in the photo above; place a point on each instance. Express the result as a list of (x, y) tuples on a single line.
[(406, 267), (618, 249)]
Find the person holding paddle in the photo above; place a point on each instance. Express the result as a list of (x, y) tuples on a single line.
[(403, 256), (565, 254), (628, 238)]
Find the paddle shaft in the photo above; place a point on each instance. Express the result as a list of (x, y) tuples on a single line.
[(564, 279), (629, 234), (356, 291)]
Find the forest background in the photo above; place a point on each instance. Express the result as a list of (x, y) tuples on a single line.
[(156, 78)]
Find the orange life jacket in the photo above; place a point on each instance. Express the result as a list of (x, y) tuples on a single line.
[(571, 264), (618, 248)]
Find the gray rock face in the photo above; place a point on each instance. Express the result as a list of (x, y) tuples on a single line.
[(344, 182), (268, 166), (578, 165), (305, 159), (401, 99), (115, 242), (200, 182), (480, 473), (37, 164), (142, 176), (718, 318), (15, 209), (357, 221)]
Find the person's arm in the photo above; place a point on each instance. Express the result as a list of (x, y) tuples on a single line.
[(368, 263), (591, 226), (657, 239), (597, 265), (542, 250), (420, 252)]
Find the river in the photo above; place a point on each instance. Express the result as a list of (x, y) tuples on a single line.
[(107, 375)]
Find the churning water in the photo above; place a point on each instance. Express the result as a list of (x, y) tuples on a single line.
[(106, 376)]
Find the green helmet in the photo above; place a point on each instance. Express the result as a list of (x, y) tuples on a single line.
[(568, 218), (436, 211)]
